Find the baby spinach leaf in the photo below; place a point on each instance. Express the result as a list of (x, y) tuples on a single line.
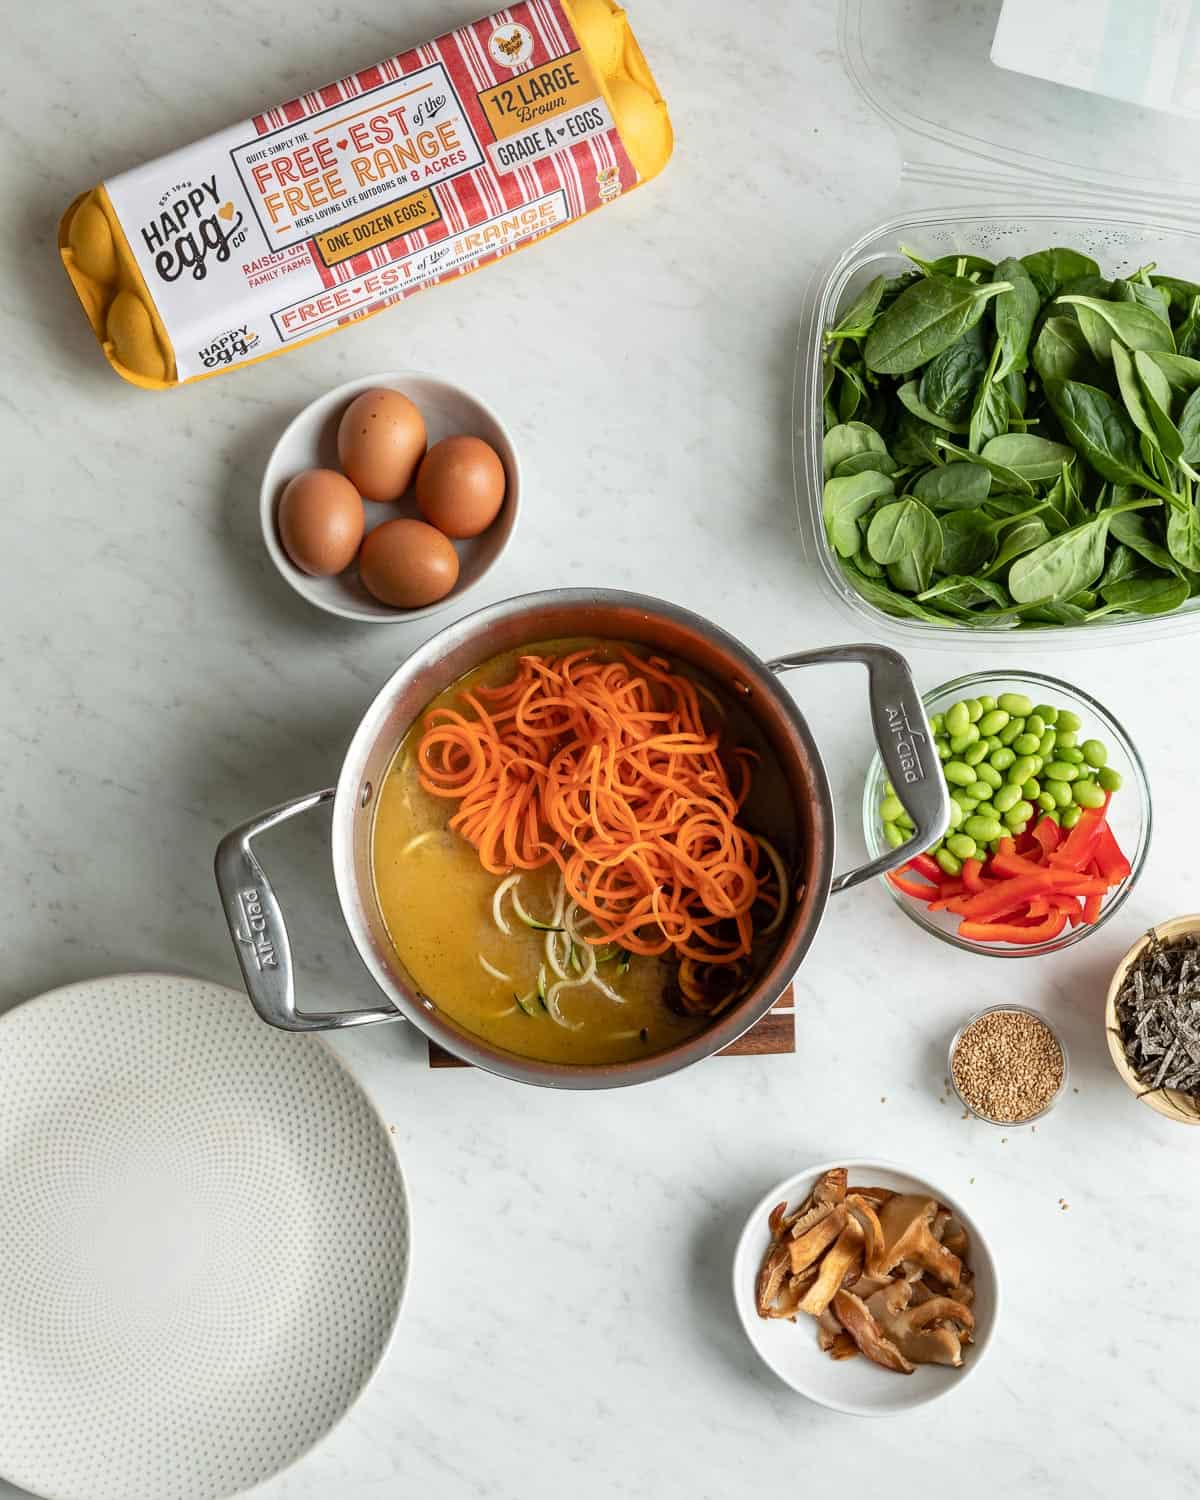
[(1146, 594), (1062, 353), (948, 381), (1002, 478), (1189, 427), (989, 412), (1180, 293), (1141, 291), (1021, 537), (910, 396), (1136, 326), (962, 591), (1065, 564), (1183, 536), (953, 487), (1187, 335), (1017, 392), (844, 500), (856, 321), (1033, 458), (925, 319), (866, 462), (1014, 312), (1099, 429), (852, 392), (906, 528), (1182, 371), (950, 265), (847, 439), (968, 541), (1136, 404), (915, 442), (1050, 269), (888, 599), (1134, 531), (1057, 614)]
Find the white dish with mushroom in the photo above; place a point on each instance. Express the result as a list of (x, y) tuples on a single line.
[(870, 1295)]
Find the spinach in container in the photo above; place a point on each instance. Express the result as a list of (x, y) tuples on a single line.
[(1016, 445)]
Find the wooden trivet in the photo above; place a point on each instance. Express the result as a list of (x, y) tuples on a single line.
[(776, 1032)]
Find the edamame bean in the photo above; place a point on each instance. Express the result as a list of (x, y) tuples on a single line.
[(989, 773), (1045, 800), (959, 742), (1002, 758), (1109, 779), (1016, 704), (980, 790), (1031, 790), (1069, 721), (973, 754), (1071, 816), (983, 829), (958, 773), (956, 814), (1035, 724), (1059, 770), (893, 835), (1019, 814), (944, 751), (1047, 743), (1038, 763), (985, 809), (1071, 756), (938, 723), (1047, 713), (1006, 797), (1021, 770), (994, 722), (1011, 730), (1067, 738), (904, 821), (1026, 744), (890, 809), (993, 743), (957, 718), (968, 804), (1055, 816), (1061, 792), (962, 846), (987, 702), (1094, 753), (974, 710), (948, 862), (888, 789), (1088, 794)]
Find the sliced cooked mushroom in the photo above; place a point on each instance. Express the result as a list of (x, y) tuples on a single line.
[(843, 1259), (867, 1286), (828, 1330), (814, 1242), (832, 1186), (920, 1333), (955, 1239), (774, 1268), (905, 1221), (873, 1246), (843, 1347), (876, 1196), (864, 1329)]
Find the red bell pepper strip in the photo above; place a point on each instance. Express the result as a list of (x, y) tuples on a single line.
[(1007, 845), (1047, 835), (1109, 860), (1009, 932), (919, 890), (1079, 846), (925, 865), (1091, 908), (972, 876), (1006, 896)]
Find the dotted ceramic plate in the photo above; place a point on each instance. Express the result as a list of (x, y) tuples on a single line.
[(203, 1242)]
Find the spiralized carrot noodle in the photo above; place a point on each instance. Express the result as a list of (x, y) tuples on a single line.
[(607, 769)]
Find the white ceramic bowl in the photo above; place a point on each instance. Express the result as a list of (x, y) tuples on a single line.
[(310, 441), (857, 1386)]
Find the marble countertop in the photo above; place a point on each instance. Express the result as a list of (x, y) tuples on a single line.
[(569, 1326)]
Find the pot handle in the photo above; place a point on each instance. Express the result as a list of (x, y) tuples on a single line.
[(905, 743), (258, 930)]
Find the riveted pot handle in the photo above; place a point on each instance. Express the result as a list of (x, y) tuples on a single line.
[(905, 743), (259, 933)]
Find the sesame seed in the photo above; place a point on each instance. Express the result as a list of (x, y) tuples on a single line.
[(1007, 1066)]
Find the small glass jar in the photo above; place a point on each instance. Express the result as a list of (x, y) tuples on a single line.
[(1021, 1010)]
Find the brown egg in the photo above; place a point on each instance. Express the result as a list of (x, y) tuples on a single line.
[(460, 486), (320, 521), (408, 564), (381, 440)]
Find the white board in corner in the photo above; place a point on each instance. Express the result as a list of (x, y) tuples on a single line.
[(1143, 51)]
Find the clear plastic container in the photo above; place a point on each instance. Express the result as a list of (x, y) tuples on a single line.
[(995, 163)]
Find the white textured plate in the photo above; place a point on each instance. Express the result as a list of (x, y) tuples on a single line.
[(310, 442), (856, 1386), (203, 1242)]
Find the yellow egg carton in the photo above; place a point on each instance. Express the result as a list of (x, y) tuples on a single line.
[(331, 207)]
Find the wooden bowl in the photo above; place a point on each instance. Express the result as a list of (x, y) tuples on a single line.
[(1170, 1103)]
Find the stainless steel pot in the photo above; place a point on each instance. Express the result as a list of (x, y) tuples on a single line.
[(902, 734)]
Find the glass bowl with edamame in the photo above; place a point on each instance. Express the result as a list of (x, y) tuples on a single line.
[(1021, 751)]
